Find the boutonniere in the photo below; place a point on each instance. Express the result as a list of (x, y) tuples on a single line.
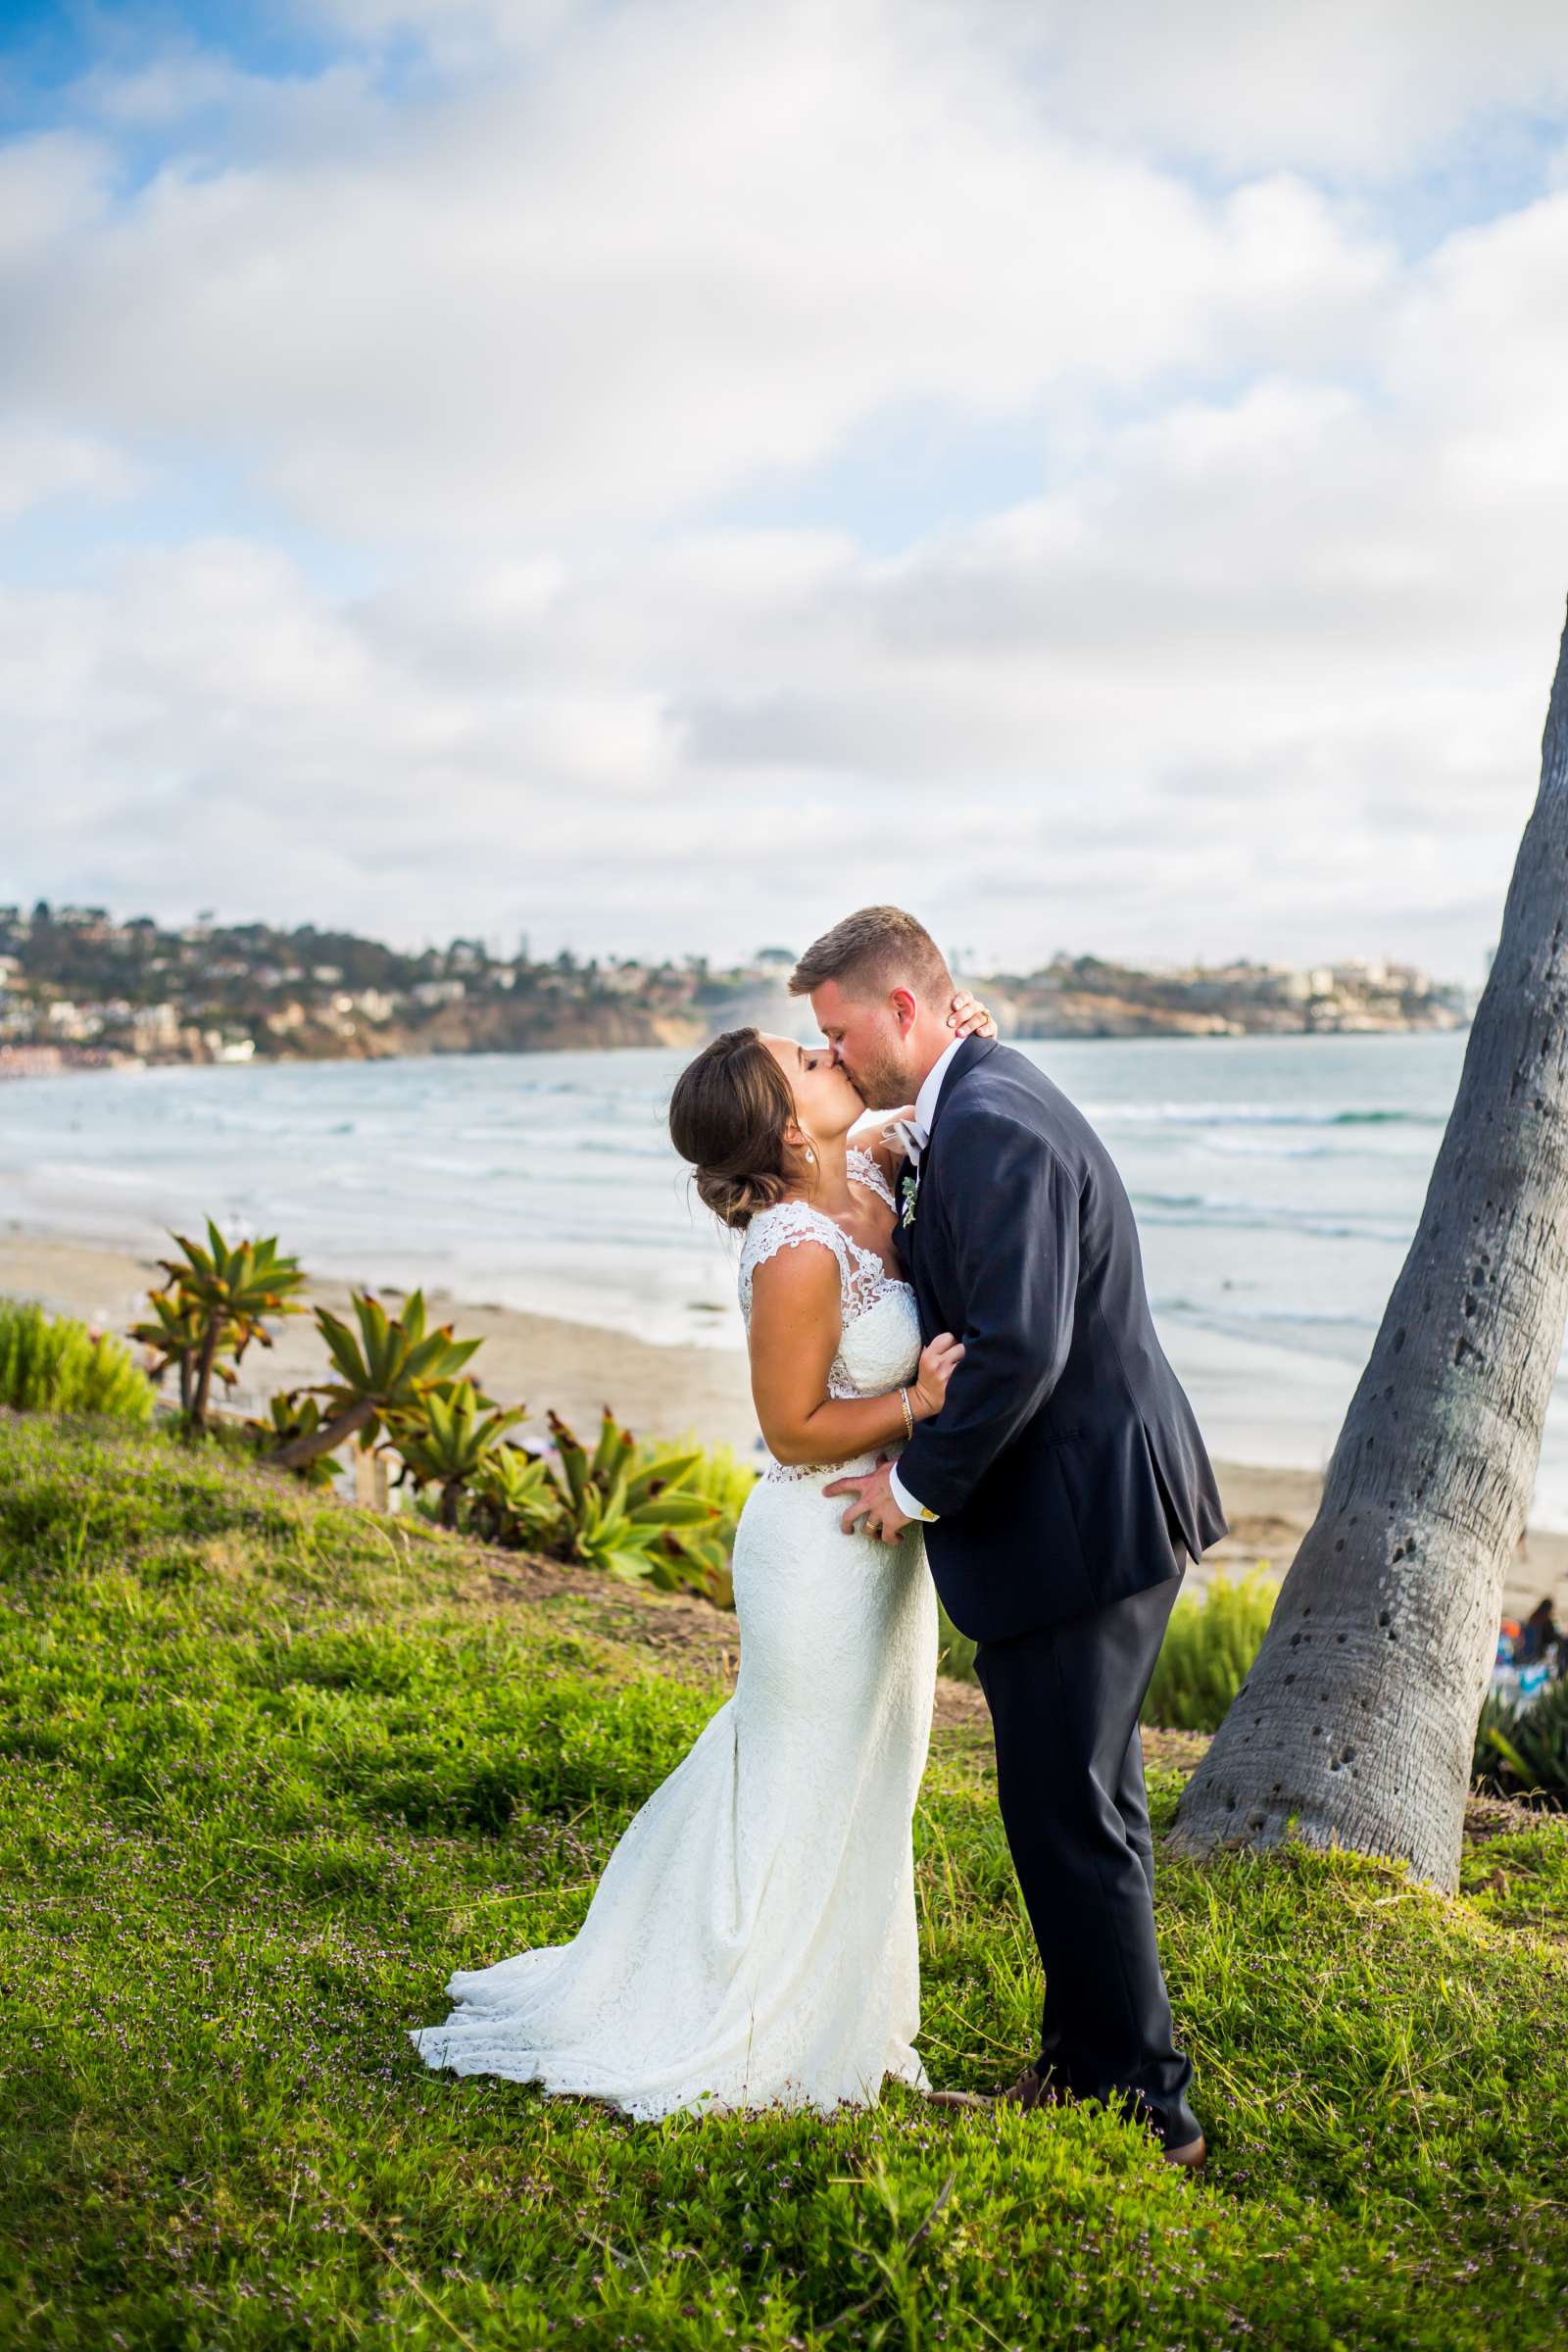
[(910, 1187)]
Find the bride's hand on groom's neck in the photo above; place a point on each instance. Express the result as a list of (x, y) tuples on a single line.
[(967, 1018)]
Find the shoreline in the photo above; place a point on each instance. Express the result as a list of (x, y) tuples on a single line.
[(659, 1391), (37, 1057)]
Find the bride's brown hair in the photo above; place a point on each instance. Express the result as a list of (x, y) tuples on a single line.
[(727, 1115)]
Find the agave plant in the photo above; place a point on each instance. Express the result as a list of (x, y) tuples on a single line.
[(214, 1305), (619, 1503), (447, 1442), (290, 1414), (386, 1372), (175, 1337), (516, 1500), (702, 1553), (1523, 1750)]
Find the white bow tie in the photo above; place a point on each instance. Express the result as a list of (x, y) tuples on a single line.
[(911, 1135)]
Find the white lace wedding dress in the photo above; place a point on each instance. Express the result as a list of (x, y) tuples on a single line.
[(752, 1938)]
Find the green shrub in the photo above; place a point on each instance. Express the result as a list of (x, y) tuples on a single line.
[(1208, 1653), (1523, 1750), (56, 1366)]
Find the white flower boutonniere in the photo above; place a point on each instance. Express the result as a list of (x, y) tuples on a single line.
[(909, 1188)]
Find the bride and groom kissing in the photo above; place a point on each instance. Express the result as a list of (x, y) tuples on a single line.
[(957, 1379)]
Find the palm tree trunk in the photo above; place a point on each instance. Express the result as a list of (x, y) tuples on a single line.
[(1356, 1725), (326, 1438)]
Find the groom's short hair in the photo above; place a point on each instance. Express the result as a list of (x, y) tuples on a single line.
[(877, 949)]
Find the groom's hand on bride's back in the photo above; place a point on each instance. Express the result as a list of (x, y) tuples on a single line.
[(873, 1503)]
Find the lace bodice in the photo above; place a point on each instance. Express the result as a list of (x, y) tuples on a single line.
[(879, 1341)]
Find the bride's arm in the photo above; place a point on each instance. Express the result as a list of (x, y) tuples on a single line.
[(795, 1329)]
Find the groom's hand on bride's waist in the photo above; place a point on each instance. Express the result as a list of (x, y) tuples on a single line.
[(874, 1503)]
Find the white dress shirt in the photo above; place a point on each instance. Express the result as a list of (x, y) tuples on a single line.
[(925, 1110)]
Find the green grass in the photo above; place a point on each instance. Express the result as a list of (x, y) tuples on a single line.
[(276, 1767)]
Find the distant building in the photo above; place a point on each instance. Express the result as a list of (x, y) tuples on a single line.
[(374, 1003), (155, 1029), (75, 1022)]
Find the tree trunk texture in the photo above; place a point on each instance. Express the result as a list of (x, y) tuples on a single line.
[(1356, 1725)]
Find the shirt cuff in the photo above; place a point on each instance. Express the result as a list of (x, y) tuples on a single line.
[(905, 1502)]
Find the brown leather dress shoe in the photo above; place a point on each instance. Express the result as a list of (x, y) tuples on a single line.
[(975, 2100), (1029, 2090)]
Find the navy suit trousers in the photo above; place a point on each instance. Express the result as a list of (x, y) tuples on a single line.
[(1065, 1701)]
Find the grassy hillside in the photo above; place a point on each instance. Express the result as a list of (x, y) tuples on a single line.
[(276, 1767)]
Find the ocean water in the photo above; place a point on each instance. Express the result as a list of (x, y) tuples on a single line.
[(1276, 1181)]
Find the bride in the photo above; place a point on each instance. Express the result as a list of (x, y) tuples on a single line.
[(752, 1939)]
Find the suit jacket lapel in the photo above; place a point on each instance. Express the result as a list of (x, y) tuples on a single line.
[(972, 1051)]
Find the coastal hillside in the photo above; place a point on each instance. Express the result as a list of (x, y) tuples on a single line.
[(79, 987), (275, 1766)]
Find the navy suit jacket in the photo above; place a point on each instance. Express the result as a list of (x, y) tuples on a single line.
[(1066, 1465)]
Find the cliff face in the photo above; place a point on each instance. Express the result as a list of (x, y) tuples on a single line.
[(499, 1026)]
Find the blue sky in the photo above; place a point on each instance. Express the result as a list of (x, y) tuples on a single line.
[(654, 475)]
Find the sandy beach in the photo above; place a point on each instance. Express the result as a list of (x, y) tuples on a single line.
[(658, 1390)]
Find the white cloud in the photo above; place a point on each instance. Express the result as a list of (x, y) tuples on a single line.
[(39, 462), (1256, 664), (1362, 92), (697, 244)]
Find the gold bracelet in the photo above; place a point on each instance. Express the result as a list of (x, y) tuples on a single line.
[(908, 1417)]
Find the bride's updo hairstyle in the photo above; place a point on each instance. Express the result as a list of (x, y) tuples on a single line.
[(727, 1116)]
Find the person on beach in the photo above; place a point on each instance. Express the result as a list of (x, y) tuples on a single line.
[(752, 1940), (1059, 1494)]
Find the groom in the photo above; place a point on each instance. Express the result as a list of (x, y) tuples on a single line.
[(1062, 1486)]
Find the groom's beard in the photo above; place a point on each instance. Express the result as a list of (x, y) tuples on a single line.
[(881, 1081)]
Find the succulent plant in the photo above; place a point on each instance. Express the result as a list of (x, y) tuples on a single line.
[(214, 1304), (292, 1413), (1522, 1748), (447, 1441), (386, 1371)]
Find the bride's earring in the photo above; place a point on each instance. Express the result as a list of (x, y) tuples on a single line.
[(810, 1156)]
